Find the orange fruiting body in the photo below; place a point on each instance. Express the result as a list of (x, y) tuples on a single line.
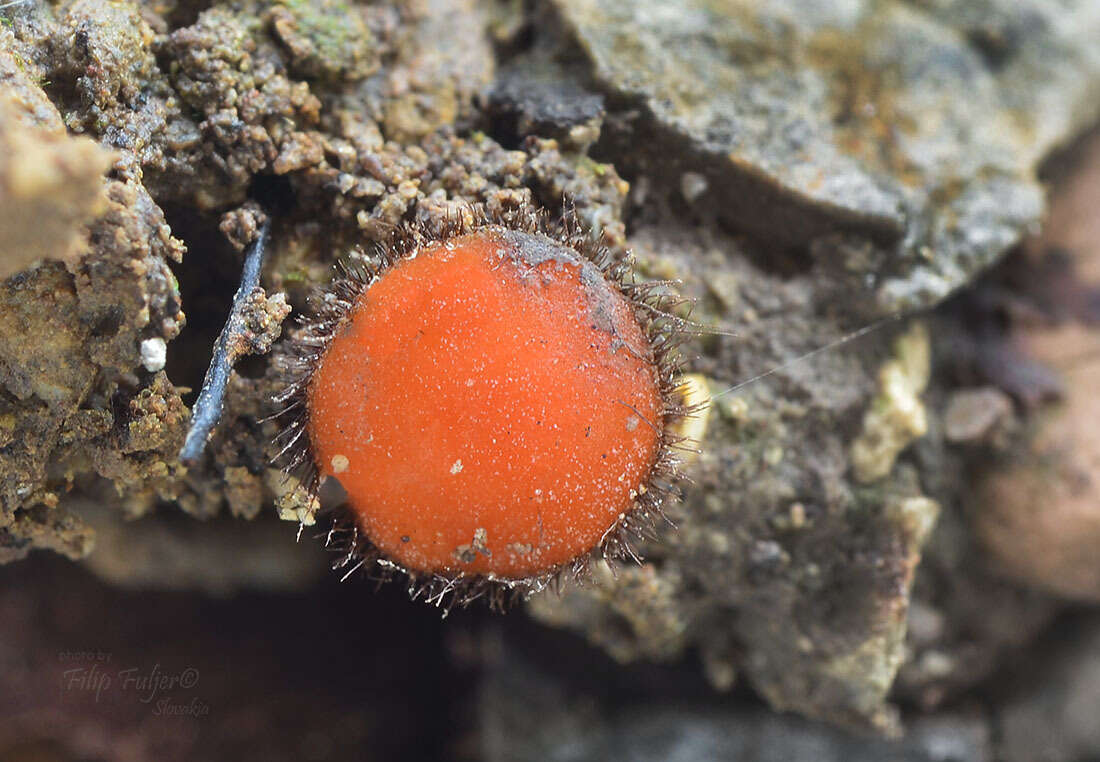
[(491, 406), (496, 401)]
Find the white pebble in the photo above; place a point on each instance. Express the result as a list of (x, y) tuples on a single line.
[(154, 353)]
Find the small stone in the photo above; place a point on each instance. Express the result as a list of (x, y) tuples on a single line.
[(773, 455), (734, 408), (896, 416), (797, 515), (154, 353), (693, 185), (974, 414), (693, 427)]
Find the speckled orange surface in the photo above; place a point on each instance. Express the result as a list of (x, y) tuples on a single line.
[(491, 407)]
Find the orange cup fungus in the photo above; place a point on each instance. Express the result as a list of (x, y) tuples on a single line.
[(496, 402)]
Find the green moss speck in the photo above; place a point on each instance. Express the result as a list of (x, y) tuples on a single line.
[(332, 38)]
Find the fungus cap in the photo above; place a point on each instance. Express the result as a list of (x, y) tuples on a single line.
[(495, 402)]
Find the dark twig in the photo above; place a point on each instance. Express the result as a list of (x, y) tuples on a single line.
[(227, 350)]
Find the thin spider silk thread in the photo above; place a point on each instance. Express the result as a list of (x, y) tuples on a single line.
[(845, 339)]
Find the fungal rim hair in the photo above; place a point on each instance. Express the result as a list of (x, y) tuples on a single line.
[(332, 306)]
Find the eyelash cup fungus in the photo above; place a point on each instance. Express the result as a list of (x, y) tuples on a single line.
[(499, 402)]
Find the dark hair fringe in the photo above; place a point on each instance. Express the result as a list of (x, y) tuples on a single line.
[(652, 307)]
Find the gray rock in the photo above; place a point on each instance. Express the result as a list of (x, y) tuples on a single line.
[(564, 722), (540, 100), (914, 127)]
